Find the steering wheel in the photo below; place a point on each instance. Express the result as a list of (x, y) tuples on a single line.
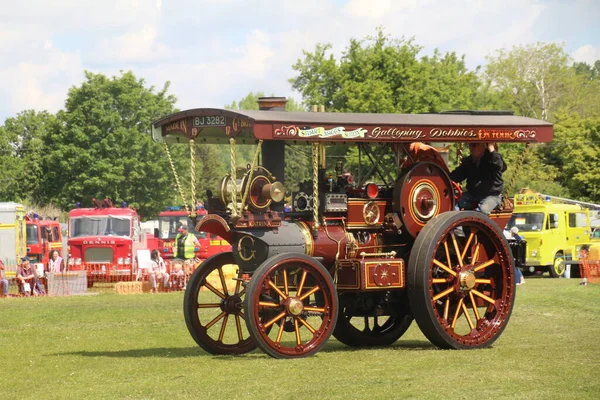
[(457, 190)]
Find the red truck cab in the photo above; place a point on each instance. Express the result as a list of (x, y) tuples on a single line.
[(169, 221), (42, 236), (104, 240)]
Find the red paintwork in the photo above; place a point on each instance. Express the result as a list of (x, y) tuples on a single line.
[(120, 250), (210, 244), (47, 237)]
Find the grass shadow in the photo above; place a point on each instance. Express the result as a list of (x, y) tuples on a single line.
[(160, 352), (186, 352)]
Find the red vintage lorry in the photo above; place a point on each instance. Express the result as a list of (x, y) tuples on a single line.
[(174, 216), (104, 240), (43, 235)]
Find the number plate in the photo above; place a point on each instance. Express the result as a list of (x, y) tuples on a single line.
[(209, 120)]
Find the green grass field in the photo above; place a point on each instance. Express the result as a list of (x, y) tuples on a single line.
[(114, 346)]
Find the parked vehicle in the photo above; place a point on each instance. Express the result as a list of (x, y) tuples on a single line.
[(355, 259), (171, 218), (43, 235), (104, 241), (13, 241), (554, 228)]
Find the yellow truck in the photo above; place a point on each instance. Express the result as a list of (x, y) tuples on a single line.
[(13, 244), (554, 228)]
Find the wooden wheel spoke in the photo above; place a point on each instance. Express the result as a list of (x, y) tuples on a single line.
[(467, 245), (445, 268), (267, 304), (222, 278), (242, 315), (301, 286), (448, 260), (476, 254), (279, 333), (215, 320), (277, 318), (457, 312), (484, 265), (223, 326), (483, 281), (214, 290), (238, 285), (209, 305), (297, 330), (483, 296), (307, 325), (279, 292), (455, 243), (439, 280), (315, 309), (475, 310), (238, 326), (444, 293), (446, 309), (311, 291), (285, 282), (469, 321)]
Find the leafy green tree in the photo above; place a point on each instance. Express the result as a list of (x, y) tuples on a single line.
[(575, 152), (21, 155), (383, 74), (532, 78), (101, 146), (592, 72)]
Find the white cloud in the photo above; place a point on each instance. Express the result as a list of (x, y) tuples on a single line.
[(588, 54), (41, 84), (137, 46), (216, 51)]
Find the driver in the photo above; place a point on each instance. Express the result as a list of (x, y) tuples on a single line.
[(483, 170)]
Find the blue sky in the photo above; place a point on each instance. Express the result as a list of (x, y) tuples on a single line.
[(216, 51)]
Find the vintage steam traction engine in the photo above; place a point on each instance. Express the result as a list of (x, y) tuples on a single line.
[(356, 262)]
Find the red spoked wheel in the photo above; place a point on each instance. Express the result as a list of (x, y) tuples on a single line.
[(461, 283), (291, 306), (213, 307)]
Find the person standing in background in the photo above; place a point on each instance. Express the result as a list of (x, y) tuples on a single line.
[(3, 281)]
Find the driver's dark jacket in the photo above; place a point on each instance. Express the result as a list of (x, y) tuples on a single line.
[(483, 180)]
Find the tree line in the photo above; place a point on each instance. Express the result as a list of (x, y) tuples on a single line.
[(100, 144)]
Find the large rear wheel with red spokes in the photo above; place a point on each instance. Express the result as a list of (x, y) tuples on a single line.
[(291, 306), (461, 282), (213, 307)]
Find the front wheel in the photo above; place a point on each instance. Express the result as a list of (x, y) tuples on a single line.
[(461, 281), (294, 295), (558, 267), (212, 306)]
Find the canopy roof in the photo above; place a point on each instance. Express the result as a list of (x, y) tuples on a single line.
[(210, 125)]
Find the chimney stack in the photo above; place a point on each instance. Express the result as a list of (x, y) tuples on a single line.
[(275, 161), (272, 103)]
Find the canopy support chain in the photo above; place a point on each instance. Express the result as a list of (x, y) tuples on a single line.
[(179, 189), (192, 213), (234, 210), (315, 157)]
